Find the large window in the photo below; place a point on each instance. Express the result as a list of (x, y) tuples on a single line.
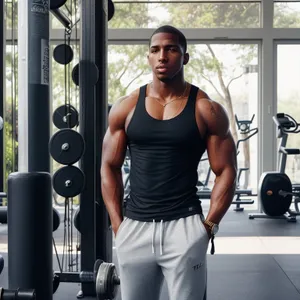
[(288, 95), (286, 14), (227, 72), (186, 14)]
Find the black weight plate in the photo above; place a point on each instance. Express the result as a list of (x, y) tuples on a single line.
[(63, 54), (77, 219), (55, 4), (111, 10), (65, 116), (67, 146), (68, 181), (1, 263), (272, 203), (75, 74), (56, 219)]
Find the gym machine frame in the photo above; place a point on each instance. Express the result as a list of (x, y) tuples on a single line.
[(276, 191)]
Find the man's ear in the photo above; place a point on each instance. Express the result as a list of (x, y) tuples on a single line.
[(186, 58)]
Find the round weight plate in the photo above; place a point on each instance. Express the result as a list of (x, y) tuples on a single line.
[(1, 263), (65, 116), (111, 10), (56, 219), (75, 74), (270, 184), (67, 146), (63, 54), (106, 288), (97, 265), (1, 123), (77, 219), (68, 181), (55, 4)]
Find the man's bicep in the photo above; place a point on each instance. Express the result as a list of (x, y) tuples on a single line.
[(114, 147), (221, 152)]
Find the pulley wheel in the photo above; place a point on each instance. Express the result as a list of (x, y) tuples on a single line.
[(68, 181), (55, 4), (63, 54), (65, 116), (67, 146), (271, 183)]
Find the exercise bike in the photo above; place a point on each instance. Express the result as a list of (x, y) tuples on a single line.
[(204, 192), (276, 192)]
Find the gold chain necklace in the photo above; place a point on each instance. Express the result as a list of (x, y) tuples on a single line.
[(165, 104)]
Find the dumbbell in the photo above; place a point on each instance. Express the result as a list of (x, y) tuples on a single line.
[(17, 294), (104, 277)]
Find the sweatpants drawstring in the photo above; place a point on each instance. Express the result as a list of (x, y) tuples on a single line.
[(153, 233), (161, 232), (161, 237)]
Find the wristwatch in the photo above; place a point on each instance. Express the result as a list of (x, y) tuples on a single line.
[(214, 228)]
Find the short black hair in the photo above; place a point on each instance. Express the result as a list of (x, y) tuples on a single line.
[(173, 30)]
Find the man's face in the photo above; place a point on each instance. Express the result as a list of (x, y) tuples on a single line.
[(166, 56)]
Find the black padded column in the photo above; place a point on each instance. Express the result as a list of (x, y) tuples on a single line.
[(30, 233), (38, 86), (96, 238)]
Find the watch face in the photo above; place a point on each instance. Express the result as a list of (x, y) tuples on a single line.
[(215, 229)]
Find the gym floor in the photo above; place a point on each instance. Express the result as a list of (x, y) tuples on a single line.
[(255, 259)]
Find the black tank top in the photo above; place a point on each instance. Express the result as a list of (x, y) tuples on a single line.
[(164, 159)]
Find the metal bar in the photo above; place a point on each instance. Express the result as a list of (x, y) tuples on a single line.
[(38, 86), (68, 277), (2, 92), (96, 238), (62, 18)]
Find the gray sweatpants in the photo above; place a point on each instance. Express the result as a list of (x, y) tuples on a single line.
[(149, 252)]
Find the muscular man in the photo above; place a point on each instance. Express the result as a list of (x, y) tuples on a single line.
[(167, 125)]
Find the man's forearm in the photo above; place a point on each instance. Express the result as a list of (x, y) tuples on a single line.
[(113, 192), (222, 195)]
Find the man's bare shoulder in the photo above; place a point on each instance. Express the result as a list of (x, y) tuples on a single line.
[(213, 114), (121, 108)]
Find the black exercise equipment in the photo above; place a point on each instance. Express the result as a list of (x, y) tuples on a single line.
[(75, 75), (18, 294), (110, 10), (66, 146), (65, 116), (77, 219), (55, 4), (276, 191), (68, 181), (56, 217), (30, 233), (1, 263), (104, 276), (244, 127), (63, 54)]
